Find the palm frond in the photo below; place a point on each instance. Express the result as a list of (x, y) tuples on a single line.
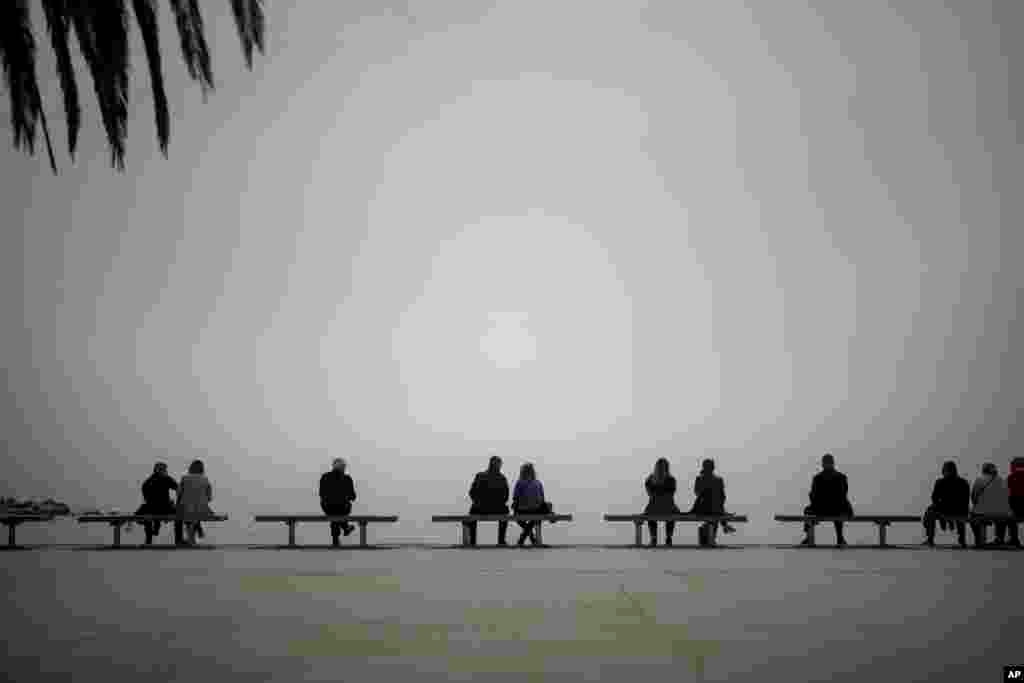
[(145, 15), (18, 55), (193, 43), (102, 31), (250, 24), (59, 24)]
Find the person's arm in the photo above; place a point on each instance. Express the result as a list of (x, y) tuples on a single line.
[(474, 489), (975, 490), (351, 486), (540, 490), (844, 486), (649, 486), (209, 490), (504, 490), (670, 486), (722, 488), (815, 490), (517, 494), (320, 489)]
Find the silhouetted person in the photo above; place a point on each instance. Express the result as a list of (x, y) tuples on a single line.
[(951, 497), (829, 498), (990, 497), (489, 493), (528, 499), (709, 489), (661, 490), (336, 495), (156, 497), (194, 495), (1015, 486)]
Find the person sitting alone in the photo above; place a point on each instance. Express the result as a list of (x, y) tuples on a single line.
[(194, 495), (991, 498), (156, 497), (489, 493), (661, 490), (709, 489), (336, 495), (528, 499), (951, 497), (829, 498)]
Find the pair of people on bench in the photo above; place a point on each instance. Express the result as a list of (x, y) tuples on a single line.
[(194, 494), (489, 494), (709, 489), (990, 495)]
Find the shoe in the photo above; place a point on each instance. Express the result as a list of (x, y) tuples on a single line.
[(348, 529), (652, 543), (668, 541), (806, 541), (502, 543), (841, 543)]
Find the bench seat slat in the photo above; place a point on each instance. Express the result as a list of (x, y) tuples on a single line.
[(675, 518), (112, 519), (501, 518), (875, 519), (325, 518)]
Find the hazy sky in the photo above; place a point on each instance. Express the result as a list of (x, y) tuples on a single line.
[(580, 234)]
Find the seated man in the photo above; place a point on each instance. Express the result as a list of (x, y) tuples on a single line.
[(336, 495), (951, 497), (489, 493), (156, 496), (829, 498)]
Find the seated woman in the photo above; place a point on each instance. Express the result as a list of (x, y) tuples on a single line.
[(709, 488), (951, 497), (661, 488), (528, 498), (156, 496), (991, 498), (194, 495)]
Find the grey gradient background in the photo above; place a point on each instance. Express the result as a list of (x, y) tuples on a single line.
[(581, 234)]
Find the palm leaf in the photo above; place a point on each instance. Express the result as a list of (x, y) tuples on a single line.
[(59, 25), (250, 23), (193, 43), (145, 15), (18, 54)]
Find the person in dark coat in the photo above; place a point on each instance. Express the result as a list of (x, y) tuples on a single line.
[(951, 496), (156, 497), (661, 490), (336, 495), (709, 489), (829, 498), (489, 493), (1015, 486)]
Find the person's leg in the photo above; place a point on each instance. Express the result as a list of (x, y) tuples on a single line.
[(179, 533), (502, 532), (929, 526), (670, 528), (979, 534), (840, 540), (1000, 532), (525, 533), (652, 529)]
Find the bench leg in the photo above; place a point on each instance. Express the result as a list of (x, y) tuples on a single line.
[(465, 535), (291, 534), (881, 534), (362, 534), (10, 534), (117, 535), (539, 534), (639, 540), (810, 533)]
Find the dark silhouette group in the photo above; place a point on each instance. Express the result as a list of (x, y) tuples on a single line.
[(955, 503)]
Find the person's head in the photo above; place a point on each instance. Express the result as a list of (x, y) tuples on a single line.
[(338, 465), (160, 468), (527, 472), (661, 468), (828, 462), (196, 467), (989, 469), (949, 469), (708, 466), (494, 464)]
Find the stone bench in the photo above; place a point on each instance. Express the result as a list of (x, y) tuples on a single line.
[(639, 520), (12, 522), (463, 519), (292, 520), (882, 521), (118, 521)]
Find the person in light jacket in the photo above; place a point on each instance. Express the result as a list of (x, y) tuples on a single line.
[(991, 498), (528, 498), (194, 495)]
